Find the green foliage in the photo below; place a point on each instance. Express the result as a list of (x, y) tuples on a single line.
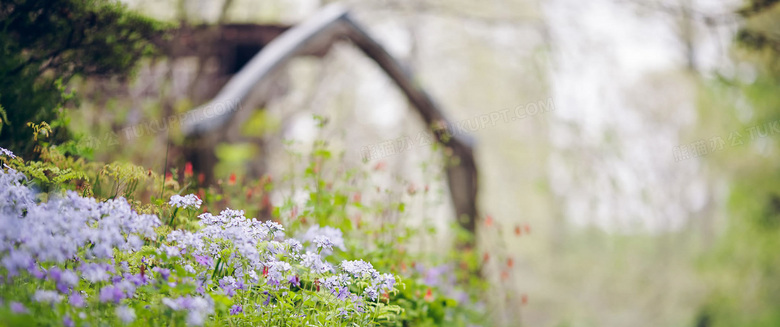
[(742, 268), (57, 171), (45, 43), (124, 178)]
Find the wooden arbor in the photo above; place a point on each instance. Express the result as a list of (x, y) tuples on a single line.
[(315, 36)]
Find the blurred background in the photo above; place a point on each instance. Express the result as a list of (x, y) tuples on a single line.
[(631, 179)]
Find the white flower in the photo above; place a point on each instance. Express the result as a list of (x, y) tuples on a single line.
[(323, 242), (171, 251), (185, 202), (314, 262), (359, 269), (334, 235)]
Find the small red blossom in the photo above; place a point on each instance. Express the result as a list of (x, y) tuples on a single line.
[(524, 299), (232, 180), (527, 229), (428, 295), (510, 262), (265, 271), (201, 178), (518, 230), (485, 257), (357, 197), (188, 170), (489, 221)]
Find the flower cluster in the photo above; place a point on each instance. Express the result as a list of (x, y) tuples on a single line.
[(67, 240), (251, 248), (325, 237), (80, 254), (189, 201), (55, 231)]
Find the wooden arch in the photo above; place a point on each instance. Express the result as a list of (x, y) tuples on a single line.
[(316, 35)]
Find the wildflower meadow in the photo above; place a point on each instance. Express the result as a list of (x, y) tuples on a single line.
[(72, 259)]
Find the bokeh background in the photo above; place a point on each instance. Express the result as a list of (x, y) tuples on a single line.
[(644, 194)]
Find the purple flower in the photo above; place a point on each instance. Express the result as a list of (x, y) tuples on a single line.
[(125, 314), (76, 300), (137, 279), (323, 242), (294, 280), (236, 309), (94, 272), (385, 282), (276, 270), (267, 299), (334, 235), (16, 260), (343, 293), (17, 307), (7, 152), (69, 278), (35, 272), (204, 260), (43, 296), (188, 303), (314, 262), (55, 274), (229, 285), (371, 293), (359, 269), (164, 272), (67, 322), (273, 226), (111, 293), (295, 246)]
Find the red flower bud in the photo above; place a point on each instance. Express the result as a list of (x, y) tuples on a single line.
[(428, 295), (188, 170)]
